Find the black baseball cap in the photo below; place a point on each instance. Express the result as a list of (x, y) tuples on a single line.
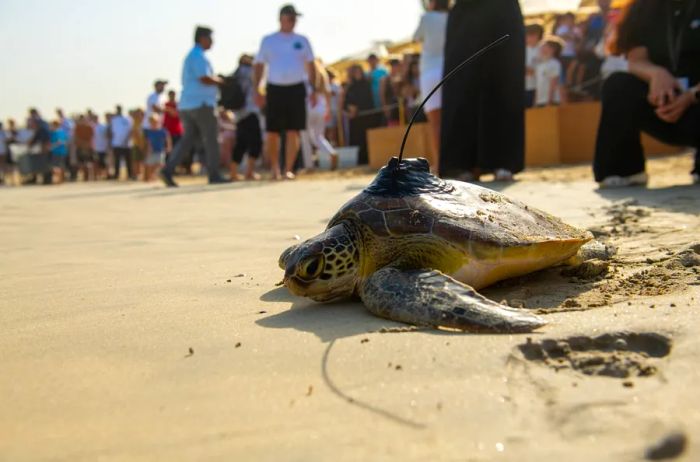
[(202, 31), (289, 10), (160, 82)]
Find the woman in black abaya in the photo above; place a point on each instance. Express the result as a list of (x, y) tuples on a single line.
[(483, 110)]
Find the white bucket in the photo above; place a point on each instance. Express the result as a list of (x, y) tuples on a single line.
[(347, 158)]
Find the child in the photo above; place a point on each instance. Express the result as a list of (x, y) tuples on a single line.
[(548, 72), (138, 144), (533, 36), (59, 150), (570, 34), (157, 143)]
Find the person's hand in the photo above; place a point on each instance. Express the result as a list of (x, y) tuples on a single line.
[(313, 99), (672, 112), (259, 99), (662, 88), (327, 116)]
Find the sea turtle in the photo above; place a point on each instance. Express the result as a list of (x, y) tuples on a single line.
[(415, 248)]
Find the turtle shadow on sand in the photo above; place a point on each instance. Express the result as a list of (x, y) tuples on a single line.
[(331, 322), (676, 198), (328, 321), (544, 290)]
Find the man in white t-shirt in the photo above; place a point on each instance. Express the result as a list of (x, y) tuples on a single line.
[(154, 103), (290, 68), (100, 143), (120, 128)]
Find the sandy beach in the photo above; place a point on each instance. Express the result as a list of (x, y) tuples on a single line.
[(143, 323)]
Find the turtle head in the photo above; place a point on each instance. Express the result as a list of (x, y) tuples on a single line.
[(323, 268)]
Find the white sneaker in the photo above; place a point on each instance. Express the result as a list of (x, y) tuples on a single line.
[(638, 179), (696, 178), (502, 174)]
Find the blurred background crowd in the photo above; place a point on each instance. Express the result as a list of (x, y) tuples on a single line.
[(567, 58)]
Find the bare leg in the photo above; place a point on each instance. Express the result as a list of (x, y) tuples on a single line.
[(292, 148), (273, 153), (250, 170), (435, 119), (233, 171)]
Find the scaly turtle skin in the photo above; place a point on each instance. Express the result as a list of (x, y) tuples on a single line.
[(416, 248)]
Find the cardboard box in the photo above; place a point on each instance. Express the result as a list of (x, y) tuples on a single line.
[(567, 135), (385, 142), (554, 135)]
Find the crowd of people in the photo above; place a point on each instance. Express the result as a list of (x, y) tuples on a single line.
[(282, 101), (570, 63)]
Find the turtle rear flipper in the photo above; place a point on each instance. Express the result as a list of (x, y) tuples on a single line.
[(429, 297)]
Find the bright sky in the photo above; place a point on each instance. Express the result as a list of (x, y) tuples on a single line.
[(80, 54)]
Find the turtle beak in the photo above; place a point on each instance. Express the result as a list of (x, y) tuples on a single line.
[(284, 258)]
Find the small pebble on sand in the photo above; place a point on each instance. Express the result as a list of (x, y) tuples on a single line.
[(670, 446)]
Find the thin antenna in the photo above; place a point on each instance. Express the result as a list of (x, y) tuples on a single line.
[(445, 79)]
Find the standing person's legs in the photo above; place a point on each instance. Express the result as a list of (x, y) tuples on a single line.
[(240, 146), (254, 146), (317, 128), (184, 146), (48, 172), (276, 121), (122, 153), (307, 149), (291, 149), (295, 122), (116, 162), (460, 101), (207, 124), (175, 140), (273, 153), (248, 139), (502, 115)]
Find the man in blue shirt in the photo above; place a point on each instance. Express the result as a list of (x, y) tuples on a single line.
[(197, 107)]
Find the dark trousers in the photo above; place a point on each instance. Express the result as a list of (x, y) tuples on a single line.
[(248, 138), (627, 113), (119, 154), (175, 139), (483, 113), (200, 124)]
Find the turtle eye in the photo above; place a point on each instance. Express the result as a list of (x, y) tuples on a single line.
[(312, 267)]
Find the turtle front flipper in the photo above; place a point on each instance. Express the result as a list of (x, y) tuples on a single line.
[(429, 297)]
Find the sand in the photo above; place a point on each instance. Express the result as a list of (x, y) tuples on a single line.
[(140, 323)]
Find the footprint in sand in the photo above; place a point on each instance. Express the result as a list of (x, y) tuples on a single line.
[(618, 355)]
